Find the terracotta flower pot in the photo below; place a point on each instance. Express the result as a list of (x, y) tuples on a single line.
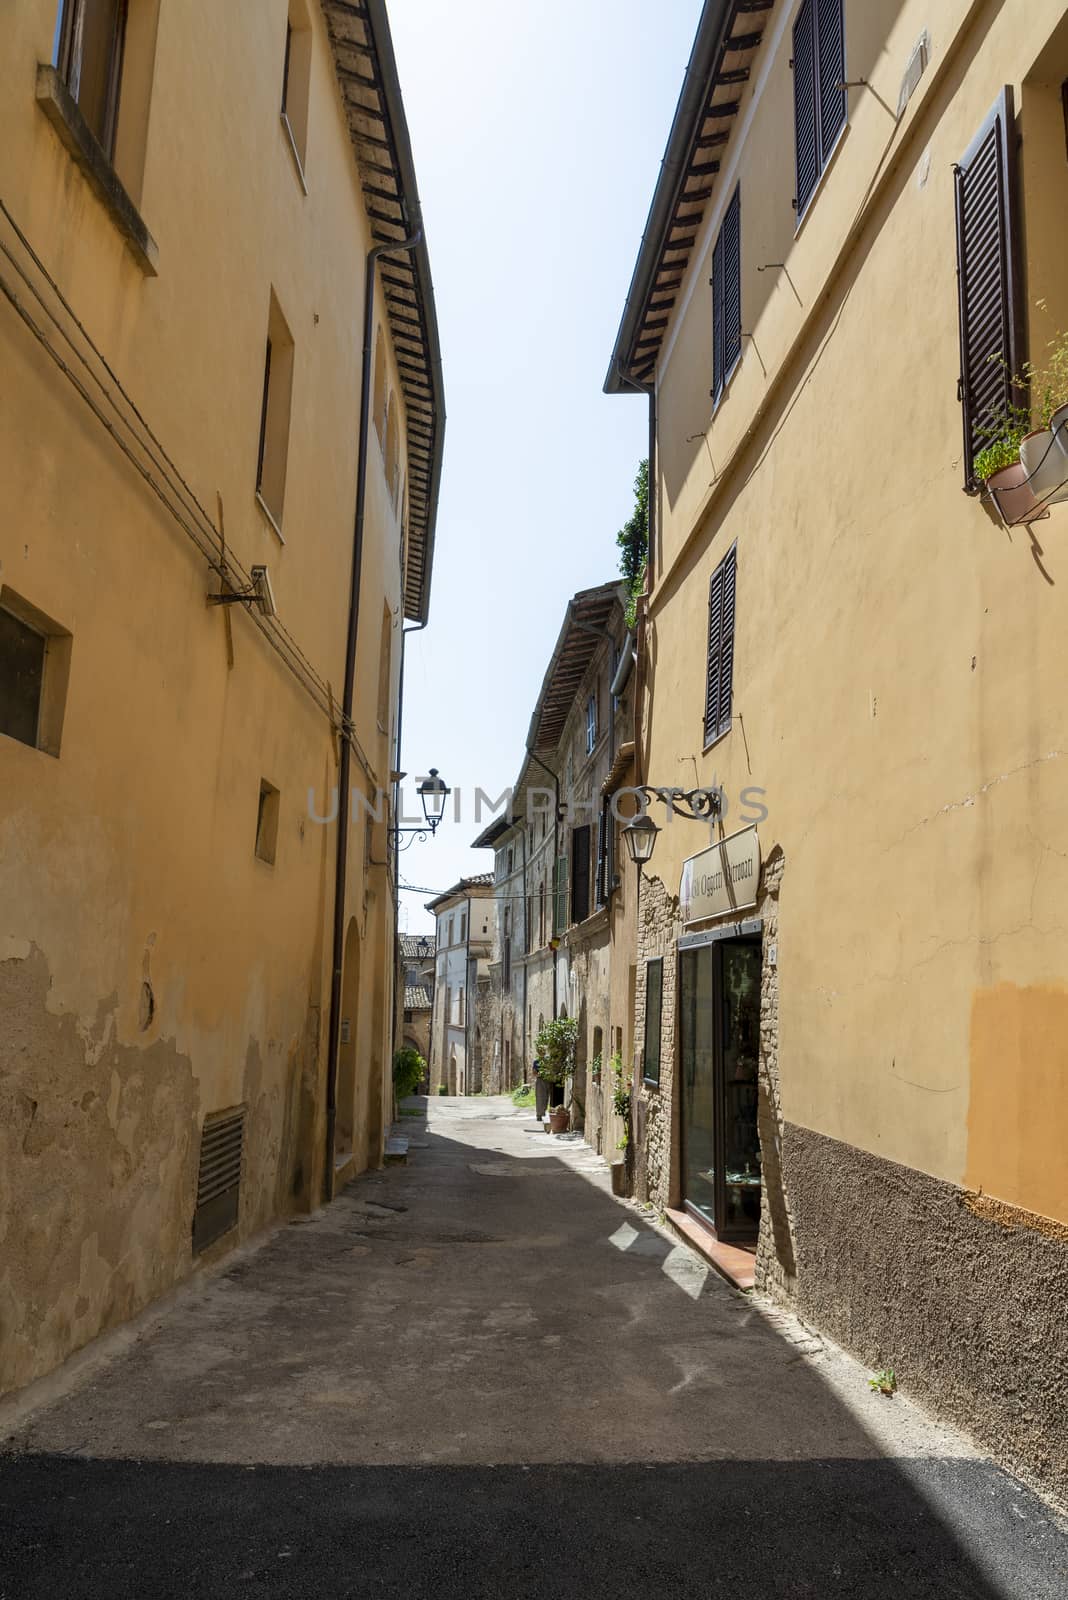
[(558, 1119), (1046, 466), (1013, 495)]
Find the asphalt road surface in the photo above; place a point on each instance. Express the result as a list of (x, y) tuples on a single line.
[(481, 1375)]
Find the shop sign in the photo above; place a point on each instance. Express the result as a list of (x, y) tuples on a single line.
[(723, 879)]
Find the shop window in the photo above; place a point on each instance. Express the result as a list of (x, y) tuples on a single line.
[(34, 671), (296, 82), (820, 106), (267, 821), (654, 987), (274, 415)]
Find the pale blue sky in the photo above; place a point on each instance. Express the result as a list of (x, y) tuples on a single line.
[(537, 132)]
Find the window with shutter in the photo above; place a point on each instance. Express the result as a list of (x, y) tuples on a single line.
[(987, 280), (727, 297), (560, 896), (580, 874), (719, 668), (820, 106)]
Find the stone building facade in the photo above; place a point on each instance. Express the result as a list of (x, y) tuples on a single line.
[(465, 920), (418, 965), (181, 885), (558, 880), (856, 981)]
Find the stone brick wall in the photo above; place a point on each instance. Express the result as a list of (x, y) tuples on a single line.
[(659, 929)]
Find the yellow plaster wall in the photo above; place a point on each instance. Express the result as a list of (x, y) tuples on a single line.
[(899, 656), (131, 857)]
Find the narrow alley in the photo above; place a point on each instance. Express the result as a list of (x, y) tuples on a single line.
[(453, 1382)]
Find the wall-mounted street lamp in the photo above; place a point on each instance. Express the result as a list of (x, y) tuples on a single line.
[(432, 792), (699, 805)]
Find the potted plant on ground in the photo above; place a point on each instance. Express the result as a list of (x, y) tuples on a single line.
[(555, 1049), (559, 1118)]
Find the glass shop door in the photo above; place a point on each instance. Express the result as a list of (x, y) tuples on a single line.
[(719, 1042)]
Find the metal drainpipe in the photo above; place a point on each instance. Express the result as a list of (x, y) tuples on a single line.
[(526, 953), (402, 247)]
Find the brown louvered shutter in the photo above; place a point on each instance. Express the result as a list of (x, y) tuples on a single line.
[(805, 140), (987, 280), (580, 874), (727, 296), (719, 676), (831, 71)]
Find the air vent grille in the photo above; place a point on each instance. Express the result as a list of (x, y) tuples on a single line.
[(222, 1147)]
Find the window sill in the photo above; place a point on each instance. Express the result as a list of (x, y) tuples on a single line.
[(712, 743), (295, 153), (59, 106), (269, 514)]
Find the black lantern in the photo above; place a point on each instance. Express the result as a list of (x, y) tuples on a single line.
[(640, 835), (432, 792)]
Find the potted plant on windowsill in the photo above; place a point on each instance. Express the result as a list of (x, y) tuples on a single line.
[(1025, 467)]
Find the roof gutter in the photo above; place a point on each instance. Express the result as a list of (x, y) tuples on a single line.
[(715, 17)]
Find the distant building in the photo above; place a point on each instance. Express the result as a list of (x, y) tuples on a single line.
[(465, 917), (565, 941), (417, 991)]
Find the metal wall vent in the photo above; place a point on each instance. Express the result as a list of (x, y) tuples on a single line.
[(222, 1148)]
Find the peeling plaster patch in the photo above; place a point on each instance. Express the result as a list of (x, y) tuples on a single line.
[(12, 949)]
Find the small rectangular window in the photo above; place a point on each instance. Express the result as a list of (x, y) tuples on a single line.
[(727, 297), (580, 873), (591, 724), (92, 35), (275, 405), (560, 896), (719, 667), (34, 671), (820, 106), (267, 822), (296, 82), (508, 963), (385, 670), (654, 987)]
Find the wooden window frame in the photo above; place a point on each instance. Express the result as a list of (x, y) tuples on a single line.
[(69, 67), (651, 1065)]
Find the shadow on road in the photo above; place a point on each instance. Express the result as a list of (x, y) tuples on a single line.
[(479, 1375)]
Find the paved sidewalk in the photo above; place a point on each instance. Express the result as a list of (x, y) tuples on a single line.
[(480, 1371)]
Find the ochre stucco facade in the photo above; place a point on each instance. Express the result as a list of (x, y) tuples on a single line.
[(897, 663), (154, 967)]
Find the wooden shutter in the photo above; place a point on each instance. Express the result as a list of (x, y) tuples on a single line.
[(805, 138), (580, 874), (987, 280), (830, 72), (820, 105), (727, 296), (732, 283), (718, 371), (560, 895), (601, 896), (719, 672)]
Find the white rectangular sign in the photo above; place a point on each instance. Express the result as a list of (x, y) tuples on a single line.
[(722, 879)]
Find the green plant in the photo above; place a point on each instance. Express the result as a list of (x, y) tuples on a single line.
[(1046, 384), (523, 1094), (443, 1088), (883, 1382), (555, 1048), (595, 1069), (620, 1093), (409, 1070), (633, 542)]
